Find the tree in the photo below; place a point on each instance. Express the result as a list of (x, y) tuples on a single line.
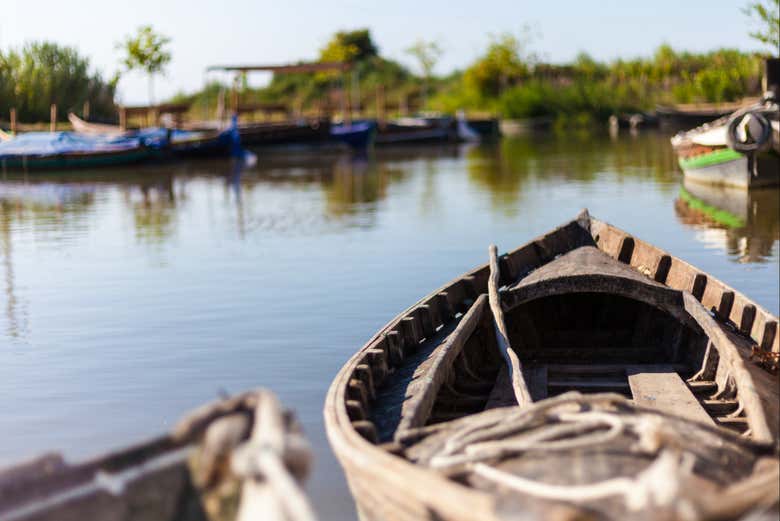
[(41, 73), (766, 13), (501, 66), (349, 46), (427, 54), (146, 51)]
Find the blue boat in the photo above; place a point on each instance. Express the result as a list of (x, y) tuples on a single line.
[(194, 143), (358, 135), (63, 150), (174, 142)]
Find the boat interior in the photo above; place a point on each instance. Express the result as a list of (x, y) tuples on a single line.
[(583, 321), (582, 355)]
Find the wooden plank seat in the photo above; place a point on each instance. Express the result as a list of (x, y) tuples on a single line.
[(667, 392)]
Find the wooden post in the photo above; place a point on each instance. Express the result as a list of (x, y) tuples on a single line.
[(53, 123), (356, 92), (221, 106), (13, 121), (380, 105), (85, 111), (347, 108), (122, 118), (235, 95)]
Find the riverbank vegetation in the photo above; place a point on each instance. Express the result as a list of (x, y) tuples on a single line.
[(40, 74), (509, 79)]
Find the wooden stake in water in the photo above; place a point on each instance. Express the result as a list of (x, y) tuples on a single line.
[(13, 121), (53, 124)]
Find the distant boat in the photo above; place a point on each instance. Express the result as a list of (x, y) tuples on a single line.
[(521, 127), (303, 132), (65, 150), (487, 128), (178, 142), (740, 150), (687, 115), (417, 130), (357, 135)]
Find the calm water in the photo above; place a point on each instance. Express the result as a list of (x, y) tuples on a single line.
[(128, 297)]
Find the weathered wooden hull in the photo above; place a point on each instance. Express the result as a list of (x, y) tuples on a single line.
[(377, 403), (207, 469)]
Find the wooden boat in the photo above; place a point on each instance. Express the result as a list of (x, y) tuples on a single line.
[(286, 133), (584, 375), (66, 150), (358, 135), (740, 150), (176, 142), (487, 128), (241, 458), (87, 127), (522, 127), (687, 115), (417, 130)]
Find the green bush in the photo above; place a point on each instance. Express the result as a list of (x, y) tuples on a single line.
[(41, 73)]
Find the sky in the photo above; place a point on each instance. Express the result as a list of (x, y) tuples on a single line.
[(269, 32)]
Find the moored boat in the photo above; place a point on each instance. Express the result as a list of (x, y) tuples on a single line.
[(240, 458), (357, 135), (64, 150), (174, 141), (586, 374), (487, 128), (522, 127), (304, 132), (687, 115), (741, 149), (417, 130)]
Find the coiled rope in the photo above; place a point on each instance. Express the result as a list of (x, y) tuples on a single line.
[(573, 421)]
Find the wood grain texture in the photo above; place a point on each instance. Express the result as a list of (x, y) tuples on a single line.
[(514, 367)]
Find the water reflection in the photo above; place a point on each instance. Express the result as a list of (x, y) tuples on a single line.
[(312, 192), (153, 205), (212, 274), (16, 323), (745, 223), (51, 208), (505, 169)]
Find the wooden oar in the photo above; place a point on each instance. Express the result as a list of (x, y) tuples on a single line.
[(502, 339)]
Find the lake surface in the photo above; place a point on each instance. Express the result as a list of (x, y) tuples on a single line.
[(131, 296)]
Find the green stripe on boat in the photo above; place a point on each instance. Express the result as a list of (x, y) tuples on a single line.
[(716, 214), (716, 157)]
